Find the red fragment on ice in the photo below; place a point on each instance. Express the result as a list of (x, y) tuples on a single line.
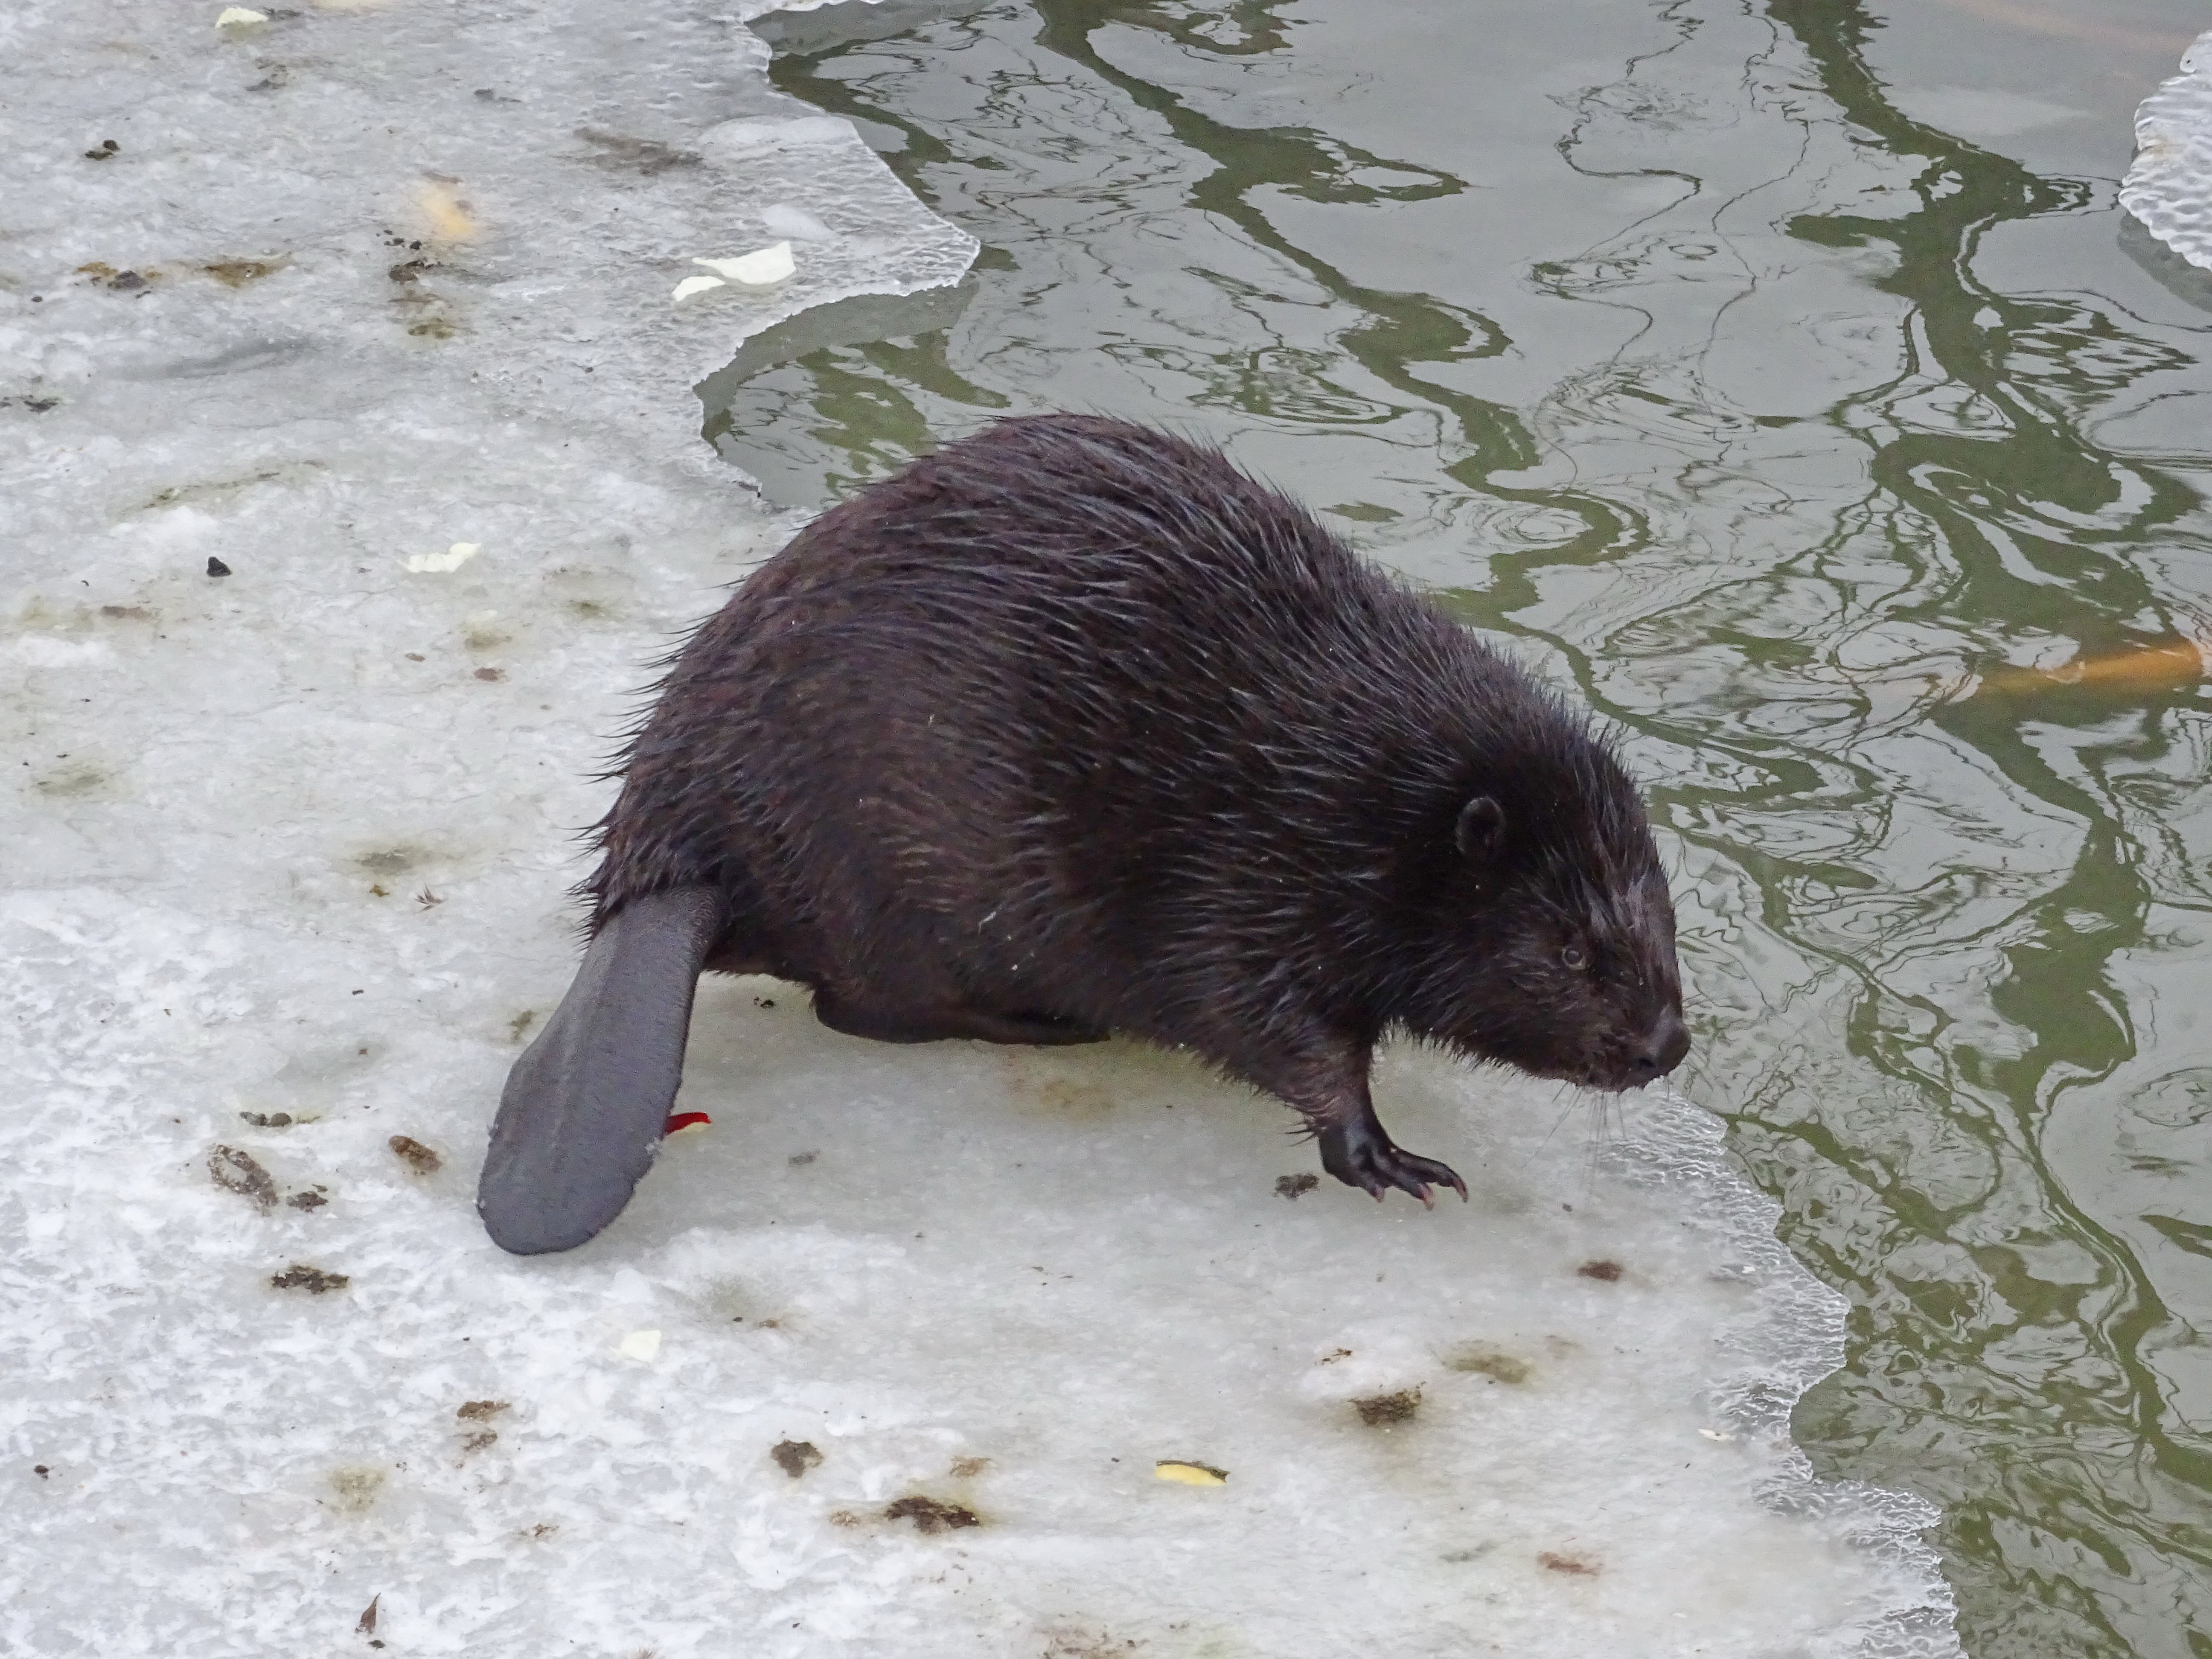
[(686, 1120)]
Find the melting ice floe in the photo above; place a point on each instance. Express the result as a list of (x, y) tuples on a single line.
[(287, 849), (2169, 186)]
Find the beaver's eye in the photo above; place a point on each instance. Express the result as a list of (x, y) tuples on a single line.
[(1574, 958)]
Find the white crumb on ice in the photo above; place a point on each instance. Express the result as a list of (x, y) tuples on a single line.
[(287, 856), (761, 268), (447, 561)]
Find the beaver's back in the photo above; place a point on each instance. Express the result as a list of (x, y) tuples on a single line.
[(1070, 698)]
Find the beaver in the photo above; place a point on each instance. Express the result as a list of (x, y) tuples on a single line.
[(1074, 728)]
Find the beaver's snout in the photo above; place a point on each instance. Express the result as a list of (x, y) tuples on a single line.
[(1665, 1045), (1661, 1051)]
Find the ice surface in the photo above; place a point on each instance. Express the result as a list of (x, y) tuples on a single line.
[(2169, 186), (458, 197), (288, 848)]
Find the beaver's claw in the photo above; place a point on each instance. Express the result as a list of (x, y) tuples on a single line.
[(1360, 1155)]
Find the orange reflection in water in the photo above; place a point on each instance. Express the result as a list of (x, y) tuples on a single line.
[(2160, 668)]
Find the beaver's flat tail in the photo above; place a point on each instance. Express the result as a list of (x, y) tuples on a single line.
[(581, 1117)]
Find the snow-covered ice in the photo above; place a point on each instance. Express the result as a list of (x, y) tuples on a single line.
[(286, 850), (2169, 184)]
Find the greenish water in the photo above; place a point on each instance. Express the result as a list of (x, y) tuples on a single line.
[(1784, 377)]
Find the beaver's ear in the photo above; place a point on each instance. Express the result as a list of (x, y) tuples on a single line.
[(1480, 830)]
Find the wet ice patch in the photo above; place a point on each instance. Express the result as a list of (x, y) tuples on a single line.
[(1017, 1305), (397, 181), (287, 877), (2168, 187)]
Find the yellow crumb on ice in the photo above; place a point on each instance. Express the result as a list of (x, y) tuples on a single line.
[(237, 17), (449, 218), (1189, 1475), (640, 1344)]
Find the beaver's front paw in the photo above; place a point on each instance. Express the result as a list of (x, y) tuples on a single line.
[(1362, 1156)]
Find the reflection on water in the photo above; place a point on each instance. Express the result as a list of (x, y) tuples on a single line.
[(1852, 466)]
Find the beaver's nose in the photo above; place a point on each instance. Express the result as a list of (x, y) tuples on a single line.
[(1662, 1047)]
